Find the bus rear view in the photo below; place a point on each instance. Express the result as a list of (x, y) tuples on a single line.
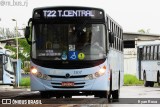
[(69, 52)]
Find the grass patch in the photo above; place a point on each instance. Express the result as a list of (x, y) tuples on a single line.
[(25, 81), (131, 80)]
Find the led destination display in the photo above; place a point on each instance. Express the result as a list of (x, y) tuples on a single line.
[(68, 13)]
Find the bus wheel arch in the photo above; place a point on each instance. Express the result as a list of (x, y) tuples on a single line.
[(146, 83)]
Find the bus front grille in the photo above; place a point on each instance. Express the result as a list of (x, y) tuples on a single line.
[(73, 76)]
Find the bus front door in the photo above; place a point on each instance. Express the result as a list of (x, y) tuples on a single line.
[(140, 50), (1, 69)]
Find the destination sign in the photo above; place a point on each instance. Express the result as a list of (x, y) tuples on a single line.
[(68, 13)]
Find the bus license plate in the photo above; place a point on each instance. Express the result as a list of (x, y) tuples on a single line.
[(67, 84)]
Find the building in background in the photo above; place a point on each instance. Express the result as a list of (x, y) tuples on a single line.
[(131, 40)]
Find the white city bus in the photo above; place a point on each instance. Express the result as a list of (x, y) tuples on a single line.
[(75, 51), (6, 68), (148, 62)]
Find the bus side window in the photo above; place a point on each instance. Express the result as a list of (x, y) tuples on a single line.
[(148, 52), (155, 53), (151, 52), (158, 52), (144, 53)]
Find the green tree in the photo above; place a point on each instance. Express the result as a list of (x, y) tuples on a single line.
[(23, 52), (144, 31)]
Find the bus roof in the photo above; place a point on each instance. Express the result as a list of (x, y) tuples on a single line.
[(50, 7), (157, 42)]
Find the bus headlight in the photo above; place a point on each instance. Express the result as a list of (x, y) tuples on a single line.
[(33, 70), (38, 74), (100, 72), (97, 74)]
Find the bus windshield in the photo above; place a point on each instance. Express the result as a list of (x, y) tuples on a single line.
[(68, 41)]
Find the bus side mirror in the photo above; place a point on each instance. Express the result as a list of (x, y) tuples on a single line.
[(27, 34), (111, 37)]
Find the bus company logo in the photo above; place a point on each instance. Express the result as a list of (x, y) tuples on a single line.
[(6, 101), (67, 75)]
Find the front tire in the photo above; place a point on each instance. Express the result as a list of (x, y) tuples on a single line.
[(45, 94), (68, 96), (101, 94)]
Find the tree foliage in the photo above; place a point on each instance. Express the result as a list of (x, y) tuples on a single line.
[(6, 33), (23, 51), (144, 31)]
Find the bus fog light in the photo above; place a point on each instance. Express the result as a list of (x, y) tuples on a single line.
[(89, 77), (39, 75), (97, 74)]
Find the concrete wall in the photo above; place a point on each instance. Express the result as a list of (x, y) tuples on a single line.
[(130, 61)]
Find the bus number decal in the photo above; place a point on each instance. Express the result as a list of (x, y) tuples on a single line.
[(77, 72), (67, 13)]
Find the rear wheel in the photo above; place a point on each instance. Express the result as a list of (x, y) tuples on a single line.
[(151, 84)]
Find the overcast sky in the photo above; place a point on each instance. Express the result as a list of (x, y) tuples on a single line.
[(132, 15)]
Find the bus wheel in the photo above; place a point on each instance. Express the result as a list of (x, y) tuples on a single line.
[(59, 96), (102, 94), (151, 84), (45, 94), (146, 83), (158, 79), (68, 96)]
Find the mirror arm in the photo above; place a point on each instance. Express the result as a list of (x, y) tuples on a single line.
[(29, 42)]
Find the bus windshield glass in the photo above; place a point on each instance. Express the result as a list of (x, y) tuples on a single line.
[(68, 41)]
